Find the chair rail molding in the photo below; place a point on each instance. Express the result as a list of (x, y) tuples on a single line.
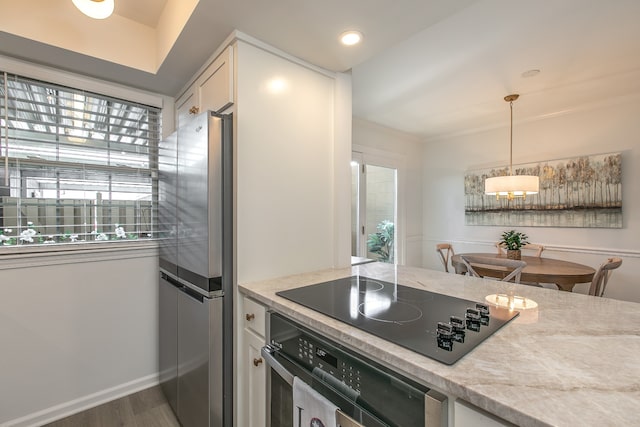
[(593, 250)]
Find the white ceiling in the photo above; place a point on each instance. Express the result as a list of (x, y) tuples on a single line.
[(452, 76), (431, 68), (146, 12)]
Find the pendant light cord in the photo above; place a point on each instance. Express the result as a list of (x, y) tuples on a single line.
[(511, 140)]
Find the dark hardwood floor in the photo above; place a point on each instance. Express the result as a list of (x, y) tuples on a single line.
[(147, 408)]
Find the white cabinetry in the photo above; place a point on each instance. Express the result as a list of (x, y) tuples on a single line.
[(253, 386), (467, 415), (186, 106), (212, 90)]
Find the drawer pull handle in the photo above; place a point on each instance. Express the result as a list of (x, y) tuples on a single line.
[(257, 361), (194, 110), (250, 317)]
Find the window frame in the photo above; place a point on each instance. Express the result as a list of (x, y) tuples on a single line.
[(82, 83)]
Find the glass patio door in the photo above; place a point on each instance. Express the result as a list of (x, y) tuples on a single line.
[(373, 209)]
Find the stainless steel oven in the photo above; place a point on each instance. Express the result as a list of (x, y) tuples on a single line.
[(366, 393)]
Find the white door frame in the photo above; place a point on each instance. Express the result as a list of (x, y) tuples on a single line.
[(366, 155)]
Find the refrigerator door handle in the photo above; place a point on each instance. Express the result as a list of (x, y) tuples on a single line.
[(192, 294), (196, 292), (170, 279)]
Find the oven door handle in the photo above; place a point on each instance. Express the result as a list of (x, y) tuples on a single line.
[(342, 419), (267, 353)]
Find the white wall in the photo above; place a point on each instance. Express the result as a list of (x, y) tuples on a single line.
[(292, 150), (76, 330), (284, 166), (408, 150), (611, 126)]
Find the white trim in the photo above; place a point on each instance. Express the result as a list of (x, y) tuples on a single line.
[(264, 46), (361, 186), (376, 152), (77, 81), (74, 406), (596, 251), (376, 157), (72, 253), (629, 253), (240, 36)]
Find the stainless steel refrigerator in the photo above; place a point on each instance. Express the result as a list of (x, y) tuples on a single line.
[(195, 208)]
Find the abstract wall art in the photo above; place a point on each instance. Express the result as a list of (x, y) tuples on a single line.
[(583, 191)]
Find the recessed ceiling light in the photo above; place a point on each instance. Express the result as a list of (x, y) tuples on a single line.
[(530, 73), (349, 38), (96, 9)]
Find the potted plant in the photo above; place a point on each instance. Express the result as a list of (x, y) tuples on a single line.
[(513, 241), (381, 242)]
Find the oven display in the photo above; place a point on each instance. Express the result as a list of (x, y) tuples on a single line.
[(331, 360)]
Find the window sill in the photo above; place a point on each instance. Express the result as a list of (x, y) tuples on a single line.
[(71, 253)]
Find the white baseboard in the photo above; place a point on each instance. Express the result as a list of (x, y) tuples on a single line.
[(74, 406)]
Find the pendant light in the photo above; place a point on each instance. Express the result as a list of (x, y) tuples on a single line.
[(96, 9), (511, 186)]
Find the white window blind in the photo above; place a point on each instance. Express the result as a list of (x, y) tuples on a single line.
[(76, 166)]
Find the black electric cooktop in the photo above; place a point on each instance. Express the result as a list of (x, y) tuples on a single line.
[(438, 326)]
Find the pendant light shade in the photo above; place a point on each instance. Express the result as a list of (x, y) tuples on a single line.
[(96, 9), (511, 186), (517, 185)]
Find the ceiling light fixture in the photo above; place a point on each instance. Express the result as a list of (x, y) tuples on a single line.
[(96, 9), (349, 38), (511, 186)]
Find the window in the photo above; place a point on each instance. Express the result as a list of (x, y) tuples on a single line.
[(75, 166)]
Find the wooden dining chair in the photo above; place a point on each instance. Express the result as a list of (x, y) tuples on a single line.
[(502, 250), (514, 266), (601, 278), (445, 250)]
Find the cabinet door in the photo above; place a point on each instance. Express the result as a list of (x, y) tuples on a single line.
[(215, 86), (254, 317), (186, 107), (467, 415), (255, 392)]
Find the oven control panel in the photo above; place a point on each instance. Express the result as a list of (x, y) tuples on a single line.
[(317, 356)]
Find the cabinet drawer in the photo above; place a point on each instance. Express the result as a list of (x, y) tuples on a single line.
[(254, 317)]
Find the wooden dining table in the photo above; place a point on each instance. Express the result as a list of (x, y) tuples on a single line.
[(563, 274)]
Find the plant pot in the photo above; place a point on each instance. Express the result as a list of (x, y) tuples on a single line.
[(514, 254)]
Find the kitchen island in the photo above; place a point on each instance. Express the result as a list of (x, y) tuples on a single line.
[(572, 361)]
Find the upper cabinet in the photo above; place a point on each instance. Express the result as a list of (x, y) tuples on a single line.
[(212, 90)]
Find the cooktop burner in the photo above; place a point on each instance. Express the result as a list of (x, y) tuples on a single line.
[(438, 326)]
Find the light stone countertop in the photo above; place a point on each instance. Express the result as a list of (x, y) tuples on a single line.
[(574, 362)]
